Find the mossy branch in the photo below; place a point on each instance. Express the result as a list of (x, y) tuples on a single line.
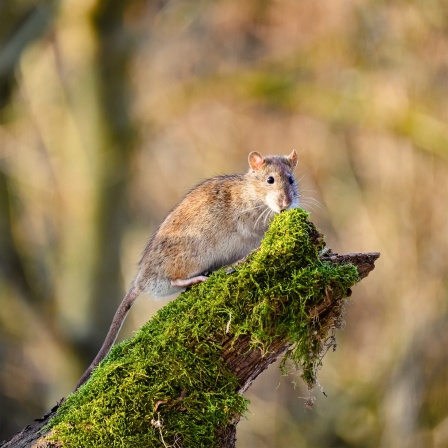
[(179, 381)]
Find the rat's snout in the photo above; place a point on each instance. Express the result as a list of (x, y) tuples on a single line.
[(280, 202), (284, 202)]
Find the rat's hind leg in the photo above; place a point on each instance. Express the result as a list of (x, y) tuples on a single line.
[(189, 281)]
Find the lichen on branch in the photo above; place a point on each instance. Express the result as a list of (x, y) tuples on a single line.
[(172, 384)]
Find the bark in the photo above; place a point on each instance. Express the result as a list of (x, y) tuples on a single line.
[(244, 362)]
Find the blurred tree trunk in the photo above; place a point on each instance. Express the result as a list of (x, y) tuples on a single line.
[(26, 277), (114, 55), (20, 24)]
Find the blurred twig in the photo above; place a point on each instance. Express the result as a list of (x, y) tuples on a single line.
[(25, 27)]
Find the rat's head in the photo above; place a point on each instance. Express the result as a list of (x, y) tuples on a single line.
[(274, 180)]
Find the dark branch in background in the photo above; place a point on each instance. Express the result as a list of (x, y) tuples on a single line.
[(20, 27), (11, 266)]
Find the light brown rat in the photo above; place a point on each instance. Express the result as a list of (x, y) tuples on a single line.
[(216, 224)]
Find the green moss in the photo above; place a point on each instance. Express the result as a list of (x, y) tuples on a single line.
[(172, 369)]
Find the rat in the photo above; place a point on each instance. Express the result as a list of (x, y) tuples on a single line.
[(216, 224)]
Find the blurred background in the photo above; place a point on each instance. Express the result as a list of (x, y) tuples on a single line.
[(111, 111)]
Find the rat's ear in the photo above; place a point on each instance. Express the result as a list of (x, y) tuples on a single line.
[(293, 158), (256, 160)]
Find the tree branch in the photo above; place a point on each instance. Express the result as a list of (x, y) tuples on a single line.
[(179, 381)]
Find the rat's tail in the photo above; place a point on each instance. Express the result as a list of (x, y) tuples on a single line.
[(112, 334)]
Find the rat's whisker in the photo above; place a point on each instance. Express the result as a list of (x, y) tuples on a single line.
[(312, 203), (300, 178), (268, 215), (251, 208), (261, 215)]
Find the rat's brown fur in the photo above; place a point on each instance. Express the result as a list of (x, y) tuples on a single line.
[(216, 224)]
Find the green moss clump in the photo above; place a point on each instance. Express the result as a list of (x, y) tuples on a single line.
[(172, 370)]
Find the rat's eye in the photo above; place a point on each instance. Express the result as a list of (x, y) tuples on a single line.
[(270, 180), (291, 179)]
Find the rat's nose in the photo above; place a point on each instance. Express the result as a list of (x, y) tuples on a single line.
[(284, 203)]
